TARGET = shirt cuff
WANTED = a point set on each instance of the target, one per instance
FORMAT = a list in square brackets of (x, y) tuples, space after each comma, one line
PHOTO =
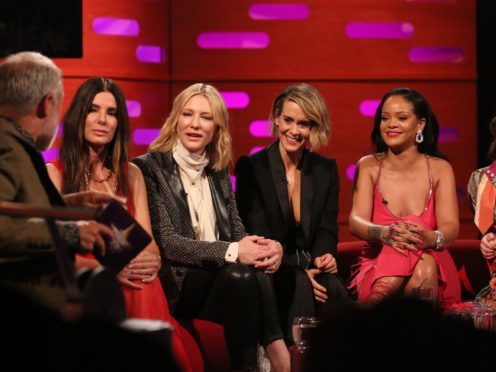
[(69, 234), (232, 253)]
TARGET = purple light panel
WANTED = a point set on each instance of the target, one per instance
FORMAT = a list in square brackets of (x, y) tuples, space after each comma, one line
[(233, 182), (379, 30), (150, 54), (260, 128), (256, 149), (50, 154), (368, 107), (116, 26), (449, 135), (145, 136), (431, 1), (350, 171), (436, 54), (270, 12), (133, 109), (236, 100), (233, 40)]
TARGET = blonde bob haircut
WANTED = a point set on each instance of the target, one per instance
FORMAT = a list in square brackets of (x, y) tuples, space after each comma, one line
[(314, 107), (219, 150)]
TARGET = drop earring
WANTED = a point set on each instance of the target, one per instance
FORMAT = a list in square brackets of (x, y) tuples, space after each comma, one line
[(419, 137)]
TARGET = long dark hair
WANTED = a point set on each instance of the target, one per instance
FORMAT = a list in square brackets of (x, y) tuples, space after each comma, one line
[(422, 109), (74, 150)]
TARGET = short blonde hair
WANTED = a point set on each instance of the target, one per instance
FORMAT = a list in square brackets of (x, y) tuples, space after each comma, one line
[(219, 150), (314, 107)]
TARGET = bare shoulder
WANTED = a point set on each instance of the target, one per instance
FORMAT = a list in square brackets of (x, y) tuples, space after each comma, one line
[(369, 164), (440, 167), (134, 171)]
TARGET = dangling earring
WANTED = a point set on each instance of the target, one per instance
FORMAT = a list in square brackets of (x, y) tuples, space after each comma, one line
[(419, 137)]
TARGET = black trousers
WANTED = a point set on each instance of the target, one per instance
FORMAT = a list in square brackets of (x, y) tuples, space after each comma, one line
[(240, 298), (295, 296)]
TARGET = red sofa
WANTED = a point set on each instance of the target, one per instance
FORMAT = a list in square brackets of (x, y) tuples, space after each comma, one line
[(472, 268)]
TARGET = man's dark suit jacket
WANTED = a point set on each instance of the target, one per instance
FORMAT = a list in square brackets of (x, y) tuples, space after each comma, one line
[(27, 259), (262, 198), (171, 221)]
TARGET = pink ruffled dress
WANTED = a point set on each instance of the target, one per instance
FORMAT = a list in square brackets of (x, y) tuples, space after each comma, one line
[(380, 260)]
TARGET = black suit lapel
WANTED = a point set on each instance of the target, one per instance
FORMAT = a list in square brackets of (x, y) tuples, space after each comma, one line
[(307, 193), (279, 178), (220, 205)]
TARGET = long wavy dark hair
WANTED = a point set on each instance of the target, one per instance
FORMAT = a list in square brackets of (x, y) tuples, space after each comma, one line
[(74, 150), (422, 109)]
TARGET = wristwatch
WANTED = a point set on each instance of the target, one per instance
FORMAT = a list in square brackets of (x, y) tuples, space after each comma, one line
[(439, 241)]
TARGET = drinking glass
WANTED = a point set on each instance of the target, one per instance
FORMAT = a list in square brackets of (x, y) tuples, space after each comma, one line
[(302, 328)]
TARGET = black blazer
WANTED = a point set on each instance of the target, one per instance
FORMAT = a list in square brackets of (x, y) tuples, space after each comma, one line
[(262, 198), (171, 221)]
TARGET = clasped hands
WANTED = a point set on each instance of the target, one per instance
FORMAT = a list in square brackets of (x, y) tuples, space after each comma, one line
[(408, 235), (264, 254), (143, 268), (488, 246)]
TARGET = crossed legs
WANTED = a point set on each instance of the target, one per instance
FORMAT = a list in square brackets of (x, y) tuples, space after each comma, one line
[(424, 274)]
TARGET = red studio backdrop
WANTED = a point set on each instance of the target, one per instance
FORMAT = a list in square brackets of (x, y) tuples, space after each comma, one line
[(353, 51)]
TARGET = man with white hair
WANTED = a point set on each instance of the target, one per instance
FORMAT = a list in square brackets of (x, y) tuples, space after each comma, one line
[(31, 95)]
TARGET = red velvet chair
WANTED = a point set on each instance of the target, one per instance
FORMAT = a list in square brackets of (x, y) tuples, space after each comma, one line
[(209, 338), (472, 268)]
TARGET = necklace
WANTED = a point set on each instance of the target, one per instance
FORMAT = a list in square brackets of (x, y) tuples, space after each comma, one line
[(99, 180), (196, 185), (89, 177)]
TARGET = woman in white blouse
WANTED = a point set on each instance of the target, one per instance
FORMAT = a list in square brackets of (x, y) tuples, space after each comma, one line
[(211, 268)]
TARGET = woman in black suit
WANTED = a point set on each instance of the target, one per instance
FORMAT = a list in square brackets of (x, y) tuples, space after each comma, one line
[(211, 268), (288, 193)]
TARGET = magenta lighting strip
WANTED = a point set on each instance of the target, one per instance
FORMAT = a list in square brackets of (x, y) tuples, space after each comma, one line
[(436, 54), (233, 40), (133, 109), (379, 30), (116, 26), (236, 100), (430, 1), (129, 28), (145, 136), (368, 107), (50, 154), (273, 12), (150, 54), (260, 128)]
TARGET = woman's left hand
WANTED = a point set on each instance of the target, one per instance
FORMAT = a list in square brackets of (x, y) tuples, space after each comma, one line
[(319, 291), (428, 238), (271, 258), (143, 268), (326, 263)]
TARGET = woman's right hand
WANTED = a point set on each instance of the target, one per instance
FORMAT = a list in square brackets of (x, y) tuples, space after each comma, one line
[(400, 236), (488, 246)]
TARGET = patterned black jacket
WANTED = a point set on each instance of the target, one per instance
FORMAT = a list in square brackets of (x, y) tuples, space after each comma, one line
[(171, 223)]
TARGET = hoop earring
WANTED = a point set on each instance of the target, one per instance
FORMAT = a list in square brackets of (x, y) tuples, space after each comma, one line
[(419, 137)]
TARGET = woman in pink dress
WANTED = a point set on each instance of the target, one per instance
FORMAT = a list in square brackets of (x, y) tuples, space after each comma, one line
[(405, 205)]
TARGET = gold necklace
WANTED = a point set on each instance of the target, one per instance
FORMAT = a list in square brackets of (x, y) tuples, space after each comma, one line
[(89, 177)]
